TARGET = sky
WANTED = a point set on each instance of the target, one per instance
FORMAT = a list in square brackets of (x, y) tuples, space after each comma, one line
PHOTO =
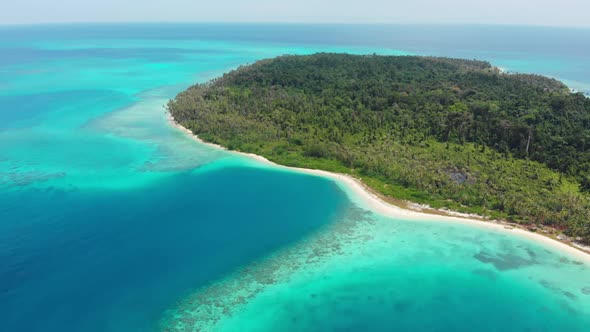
[(521, 12)]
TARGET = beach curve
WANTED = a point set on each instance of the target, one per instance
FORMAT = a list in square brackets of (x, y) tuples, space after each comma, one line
[(364, 196)]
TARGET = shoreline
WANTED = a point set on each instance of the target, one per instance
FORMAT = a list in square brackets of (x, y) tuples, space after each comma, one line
[(410, 211)]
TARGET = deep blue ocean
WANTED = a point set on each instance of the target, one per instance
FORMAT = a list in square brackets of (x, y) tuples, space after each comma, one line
[(112, 220)]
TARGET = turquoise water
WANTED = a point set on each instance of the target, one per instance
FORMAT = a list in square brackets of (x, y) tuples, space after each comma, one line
[(368, 273), (111, 220)]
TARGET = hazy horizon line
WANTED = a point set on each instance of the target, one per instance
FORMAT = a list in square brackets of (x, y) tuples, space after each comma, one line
[(299, 23)]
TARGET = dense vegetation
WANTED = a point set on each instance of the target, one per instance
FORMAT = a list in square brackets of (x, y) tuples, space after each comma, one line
[(447, 132)]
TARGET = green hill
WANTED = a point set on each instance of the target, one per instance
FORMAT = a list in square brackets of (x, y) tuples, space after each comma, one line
[(446, 132)]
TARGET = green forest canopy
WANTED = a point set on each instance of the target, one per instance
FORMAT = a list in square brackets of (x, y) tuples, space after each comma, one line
[(447, 132)]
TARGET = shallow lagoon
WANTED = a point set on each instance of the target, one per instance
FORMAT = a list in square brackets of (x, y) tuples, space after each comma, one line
[(369, 273)]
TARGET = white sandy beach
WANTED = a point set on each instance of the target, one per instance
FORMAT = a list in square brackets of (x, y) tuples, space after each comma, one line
[(378, 205)]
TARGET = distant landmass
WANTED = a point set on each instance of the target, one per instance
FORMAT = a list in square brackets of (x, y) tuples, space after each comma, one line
[(450, 133)]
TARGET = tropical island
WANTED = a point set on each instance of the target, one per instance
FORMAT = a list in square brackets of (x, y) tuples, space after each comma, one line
[(449, 133)]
